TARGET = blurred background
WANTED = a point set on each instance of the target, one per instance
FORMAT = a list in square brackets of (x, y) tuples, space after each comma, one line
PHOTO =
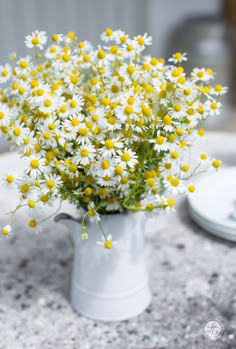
[(205, 29)]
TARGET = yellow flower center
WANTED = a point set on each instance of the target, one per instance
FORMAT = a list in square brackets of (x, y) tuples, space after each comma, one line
[(17, 131), (216, 163), (31, 203), (10, 179), (167, 120), (73, 104), (108, 32), (203, 156), (24, 64), (149, 206), (160, 140), (178, 107), (151, 182), (50, 183), (178, 55), (51, 126), (73, 167), (32, 223), (124, 180), (170, 202), (55, 37), (201, 132), (218, 88), (40, 92), (63, 108), (128, 109), (91, 212), (130, 69), (214, 105), (174, 154), (101, 54), (74, 122), (5, 72), (47, 103), (5, 231), (105, 164), (83, 131), (109, 144), (66, 57), (84, 152), (191, 188), (118, 170), (126, 157), (35, 40), (175, 182), (108, 244), (34, 163), (185, 168)]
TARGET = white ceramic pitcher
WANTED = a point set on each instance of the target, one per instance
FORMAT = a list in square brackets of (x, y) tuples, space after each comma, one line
[(109, 284)]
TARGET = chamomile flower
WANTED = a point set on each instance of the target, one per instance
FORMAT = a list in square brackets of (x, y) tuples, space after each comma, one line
[(107, 242), (190, 190), (5, 73), (93, 215), (126, 158), (9, 180), (178, 57), (174, 184), (85, 154), (110, 147), (23, 65), (51, 182), (143, 40), (219, 90), (201, 74), (4, 115), (107, 35), (35, 166), (75, 104), (160, 142), (129, 48), (53, 51), (6, 230), (58, 38), (213, 107), (36, 39), (34, 224)]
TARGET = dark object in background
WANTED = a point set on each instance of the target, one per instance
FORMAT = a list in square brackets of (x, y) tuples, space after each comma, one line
[(229, 10), (206, 39)]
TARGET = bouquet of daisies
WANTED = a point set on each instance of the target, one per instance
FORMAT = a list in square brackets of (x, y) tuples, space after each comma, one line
[(106, 128)]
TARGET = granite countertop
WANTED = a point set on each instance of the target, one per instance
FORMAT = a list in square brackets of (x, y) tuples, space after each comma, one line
[(192, 277)]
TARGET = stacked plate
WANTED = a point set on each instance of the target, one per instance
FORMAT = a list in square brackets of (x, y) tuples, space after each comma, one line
[(213, 207)]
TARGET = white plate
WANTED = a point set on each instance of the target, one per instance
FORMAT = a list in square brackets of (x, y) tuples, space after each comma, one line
[(214, 205)]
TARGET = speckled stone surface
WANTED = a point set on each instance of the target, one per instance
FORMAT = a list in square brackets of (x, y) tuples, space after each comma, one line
[(192, 275)]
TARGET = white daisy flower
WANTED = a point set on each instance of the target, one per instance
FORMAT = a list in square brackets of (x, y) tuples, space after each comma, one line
[(93, 215), (5, 73), (9, 180), (36, 39), (178, 57), (107, 242), (6, 230), (127, 158), (85, 154)]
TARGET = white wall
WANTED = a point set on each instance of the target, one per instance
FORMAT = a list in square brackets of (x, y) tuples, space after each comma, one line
[(89, 18)]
